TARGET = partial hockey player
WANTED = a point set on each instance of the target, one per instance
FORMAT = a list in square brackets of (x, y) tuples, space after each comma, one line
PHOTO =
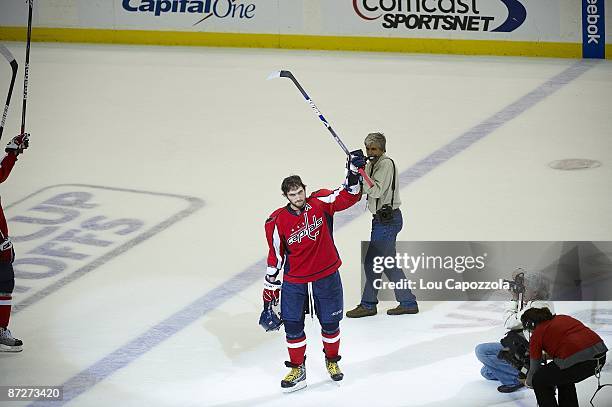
[(301, 245), (7, 255)]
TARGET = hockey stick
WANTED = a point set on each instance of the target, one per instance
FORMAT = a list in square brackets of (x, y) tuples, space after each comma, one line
[(11, 60), (27, 67), (288, 74)]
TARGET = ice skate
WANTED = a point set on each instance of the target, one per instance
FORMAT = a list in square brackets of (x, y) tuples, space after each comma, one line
[(295, 379), (8, 343), (333, 369)]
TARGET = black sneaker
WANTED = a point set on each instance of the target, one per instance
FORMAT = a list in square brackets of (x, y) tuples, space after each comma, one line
[(509, 388)]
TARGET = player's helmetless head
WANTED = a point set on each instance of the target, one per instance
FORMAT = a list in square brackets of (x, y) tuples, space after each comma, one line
[(295, 191), (297, 197), (375, 144)]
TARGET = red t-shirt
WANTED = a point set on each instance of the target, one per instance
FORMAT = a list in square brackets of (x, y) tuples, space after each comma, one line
[(561, 337)]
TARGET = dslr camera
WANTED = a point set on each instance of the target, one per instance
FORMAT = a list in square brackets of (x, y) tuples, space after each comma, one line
[(515, 351), (385, 214)]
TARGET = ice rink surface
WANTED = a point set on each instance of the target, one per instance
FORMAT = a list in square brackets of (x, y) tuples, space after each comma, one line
[(138, 210)]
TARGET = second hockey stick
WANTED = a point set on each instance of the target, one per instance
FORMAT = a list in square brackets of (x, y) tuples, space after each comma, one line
[(288, 74), (11, 60), (26, 73)]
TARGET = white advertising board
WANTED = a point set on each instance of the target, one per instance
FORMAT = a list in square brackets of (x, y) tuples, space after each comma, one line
[(525, 21)]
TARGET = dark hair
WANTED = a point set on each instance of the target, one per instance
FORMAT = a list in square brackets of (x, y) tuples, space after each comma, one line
[(533, 316), (291, 182)]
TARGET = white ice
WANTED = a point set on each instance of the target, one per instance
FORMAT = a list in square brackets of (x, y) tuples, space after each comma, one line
[(204, 122)]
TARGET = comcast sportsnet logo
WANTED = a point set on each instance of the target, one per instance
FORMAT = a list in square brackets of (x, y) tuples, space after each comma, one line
[(448, 15), (223, 9)]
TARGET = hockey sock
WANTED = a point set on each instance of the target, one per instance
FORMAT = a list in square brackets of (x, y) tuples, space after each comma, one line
[(331, 340), (5, 309), (296, 341), (297, 349)]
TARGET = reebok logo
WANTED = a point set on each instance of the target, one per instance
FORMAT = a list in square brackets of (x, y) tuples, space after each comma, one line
[(592, 19), (593, 29)]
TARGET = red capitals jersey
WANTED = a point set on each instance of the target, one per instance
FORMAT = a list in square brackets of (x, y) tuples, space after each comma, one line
[(6, 252), (302, 243)]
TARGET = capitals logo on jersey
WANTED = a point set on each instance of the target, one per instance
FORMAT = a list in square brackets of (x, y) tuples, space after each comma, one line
[(307, 229)]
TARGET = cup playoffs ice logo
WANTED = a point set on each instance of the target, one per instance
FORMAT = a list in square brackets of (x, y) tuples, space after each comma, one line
[(447, 15), (64, 232)]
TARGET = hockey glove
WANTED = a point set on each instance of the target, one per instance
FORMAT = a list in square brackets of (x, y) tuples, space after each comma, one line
[(18, 144), (356, 161), (271, 292)]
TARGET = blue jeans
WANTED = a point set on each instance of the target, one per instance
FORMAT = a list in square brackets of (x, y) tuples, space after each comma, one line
[(494, 368), (382, 243)]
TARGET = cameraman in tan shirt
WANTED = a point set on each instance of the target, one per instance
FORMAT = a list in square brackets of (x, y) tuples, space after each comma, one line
[(383, 202)]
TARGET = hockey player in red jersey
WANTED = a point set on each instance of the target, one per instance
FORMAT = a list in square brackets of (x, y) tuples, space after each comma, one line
[(7, 255), (301, 244)]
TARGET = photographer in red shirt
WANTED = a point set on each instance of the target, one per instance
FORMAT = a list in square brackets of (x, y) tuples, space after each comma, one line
[(575, 349)]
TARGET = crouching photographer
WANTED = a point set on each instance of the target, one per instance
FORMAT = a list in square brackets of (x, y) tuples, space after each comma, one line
[(577, 353), (528, 291)]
